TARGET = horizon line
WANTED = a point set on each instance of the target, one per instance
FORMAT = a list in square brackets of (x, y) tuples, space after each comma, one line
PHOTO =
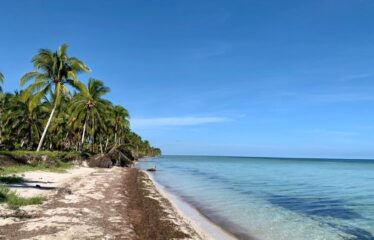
[(267, 157)]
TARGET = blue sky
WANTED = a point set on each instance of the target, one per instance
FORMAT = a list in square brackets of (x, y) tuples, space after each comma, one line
[(253, 78)]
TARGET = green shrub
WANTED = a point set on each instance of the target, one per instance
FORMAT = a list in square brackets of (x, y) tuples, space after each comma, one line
[(23, 161), (14, 201), (59, 167), (11, 179)]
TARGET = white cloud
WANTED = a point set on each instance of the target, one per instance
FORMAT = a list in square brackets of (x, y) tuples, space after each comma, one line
[(175, 121)]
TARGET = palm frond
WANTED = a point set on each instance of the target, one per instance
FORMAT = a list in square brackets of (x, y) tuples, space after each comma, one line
[(35, 99), (77, 65), (27, 77), (62, 52)]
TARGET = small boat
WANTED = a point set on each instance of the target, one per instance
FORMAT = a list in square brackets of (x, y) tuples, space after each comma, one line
[(152, 169)]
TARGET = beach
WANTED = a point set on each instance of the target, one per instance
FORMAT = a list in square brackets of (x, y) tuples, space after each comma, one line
[(220, 198), (92, 203), (200, 223)]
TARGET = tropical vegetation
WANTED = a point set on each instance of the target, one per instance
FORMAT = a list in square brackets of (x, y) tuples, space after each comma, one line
[(55, 111)]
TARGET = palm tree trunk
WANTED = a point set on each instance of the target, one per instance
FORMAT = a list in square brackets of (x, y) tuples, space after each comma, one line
[(29, 135), (46, 128), (106, 144), (101, 146), (93, 135), (115, 135), (85, 126)]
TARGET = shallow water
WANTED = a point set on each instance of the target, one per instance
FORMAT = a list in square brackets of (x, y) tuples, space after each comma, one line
[(276, 198)]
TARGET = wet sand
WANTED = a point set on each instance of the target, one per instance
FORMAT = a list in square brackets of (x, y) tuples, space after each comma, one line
[(206, 228)]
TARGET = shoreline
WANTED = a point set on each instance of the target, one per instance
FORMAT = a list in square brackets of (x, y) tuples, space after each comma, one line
[(151, 215), (97, 203), (200, 223)]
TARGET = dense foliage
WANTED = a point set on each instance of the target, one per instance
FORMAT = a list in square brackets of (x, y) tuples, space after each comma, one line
[(56, 111)]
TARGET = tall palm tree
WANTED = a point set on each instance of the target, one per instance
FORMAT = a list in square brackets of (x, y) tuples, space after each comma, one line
[(53, 71), (89, 104)]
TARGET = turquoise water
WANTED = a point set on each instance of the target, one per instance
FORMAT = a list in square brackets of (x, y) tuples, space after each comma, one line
[(276, 198)]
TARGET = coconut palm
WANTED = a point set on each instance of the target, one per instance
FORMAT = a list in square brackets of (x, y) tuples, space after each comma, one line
[(53, 72), (90, 105), (71, 119), (120, 121), (59, 129), (22, 121)]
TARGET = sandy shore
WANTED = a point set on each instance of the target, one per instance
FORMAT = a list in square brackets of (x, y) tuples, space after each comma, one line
[(207, 229), (87, 203)]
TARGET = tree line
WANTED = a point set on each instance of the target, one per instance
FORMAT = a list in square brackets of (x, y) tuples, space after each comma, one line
[(56, 111)]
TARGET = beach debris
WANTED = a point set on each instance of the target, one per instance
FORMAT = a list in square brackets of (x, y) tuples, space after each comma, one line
[(64, 191), (100, 161), (19, 213)]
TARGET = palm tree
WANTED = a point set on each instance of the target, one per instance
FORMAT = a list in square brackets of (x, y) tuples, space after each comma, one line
[(22, 121), (121, 122), (59, 129), (53, 71), (90, 105)]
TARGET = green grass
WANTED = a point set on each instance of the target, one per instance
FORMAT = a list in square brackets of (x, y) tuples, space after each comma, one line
[(54, 155), (14, 201), (59, 167), (56, 163), (11, 179)]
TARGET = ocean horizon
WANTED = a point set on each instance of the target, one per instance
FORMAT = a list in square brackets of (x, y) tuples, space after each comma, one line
[(269, 157), (275, 198)]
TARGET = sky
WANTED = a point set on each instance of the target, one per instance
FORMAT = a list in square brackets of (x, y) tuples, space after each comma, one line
[(283, 78)]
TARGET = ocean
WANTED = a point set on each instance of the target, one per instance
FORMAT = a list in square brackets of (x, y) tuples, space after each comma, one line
[(275, 198)]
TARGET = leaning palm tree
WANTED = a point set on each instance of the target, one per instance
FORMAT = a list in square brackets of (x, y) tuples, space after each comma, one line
[(59, 127), (53, 71), (89, 103)]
